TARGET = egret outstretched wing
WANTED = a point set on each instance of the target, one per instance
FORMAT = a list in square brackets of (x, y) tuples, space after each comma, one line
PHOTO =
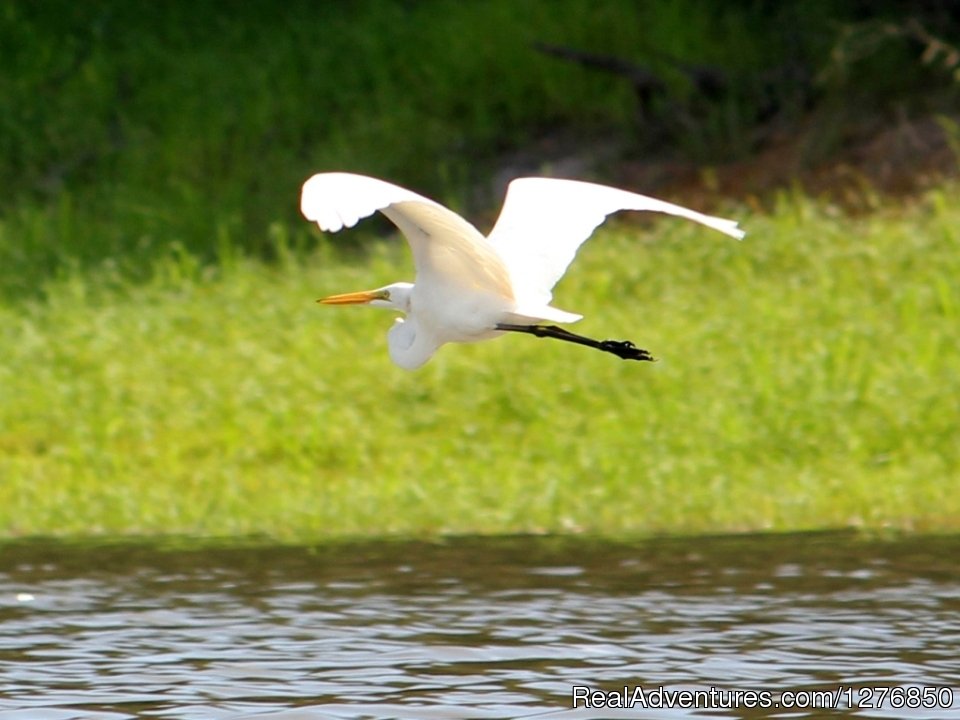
[(337, 200), (545, 220), (445, 246)]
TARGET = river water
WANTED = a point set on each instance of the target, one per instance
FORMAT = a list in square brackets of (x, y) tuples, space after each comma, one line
[(723, 627)]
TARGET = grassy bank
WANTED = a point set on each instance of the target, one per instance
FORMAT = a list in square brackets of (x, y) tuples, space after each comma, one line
[(163, 368), (808, 379)]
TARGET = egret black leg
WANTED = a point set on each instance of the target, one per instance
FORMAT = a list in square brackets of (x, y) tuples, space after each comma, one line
[(621, 348)]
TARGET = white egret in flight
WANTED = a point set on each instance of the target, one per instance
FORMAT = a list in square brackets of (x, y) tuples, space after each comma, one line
[(470, 287)]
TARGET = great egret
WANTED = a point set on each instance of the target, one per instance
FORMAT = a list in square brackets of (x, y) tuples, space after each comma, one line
[(469, 287)]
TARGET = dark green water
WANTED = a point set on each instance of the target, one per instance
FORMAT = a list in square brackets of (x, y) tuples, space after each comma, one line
[(482, 628)]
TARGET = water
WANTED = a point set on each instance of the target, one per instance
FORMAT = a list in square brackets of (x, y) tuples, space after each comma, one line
[(478, 628)]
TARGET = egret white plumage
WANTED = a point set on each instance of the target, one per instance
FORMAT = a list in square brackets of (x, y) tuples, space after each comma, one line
[(470, 287)]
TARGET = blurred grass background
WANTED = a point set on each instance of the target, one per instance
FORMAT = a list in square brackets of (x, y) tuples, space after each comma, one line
[(164, 368)]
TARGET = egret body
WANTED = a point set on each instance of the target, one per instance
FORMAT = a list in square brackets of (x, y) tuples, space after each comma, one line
[(470, 287)]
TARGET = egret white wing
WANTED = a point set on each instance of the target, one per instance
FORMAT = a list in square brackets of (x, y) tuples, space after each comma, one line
[(545, 220), (337, 200), (446, 247)]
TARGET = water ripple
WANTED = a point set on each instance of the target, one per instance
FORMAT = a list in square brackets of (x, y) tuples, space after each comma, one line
[(475, 628)]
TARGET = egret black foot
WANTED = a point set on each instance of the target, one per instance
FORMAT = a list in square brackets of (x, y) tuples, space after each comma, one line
[(626, 350)]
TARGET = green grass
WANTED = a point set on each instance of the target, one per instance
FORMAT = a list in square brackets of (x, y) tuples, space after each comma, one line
[(125, 130), (808, 379), (163, 368)]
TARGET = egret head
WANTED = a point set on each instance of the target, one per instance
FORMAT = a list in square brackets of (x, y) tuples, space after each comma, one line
[(394, 297)]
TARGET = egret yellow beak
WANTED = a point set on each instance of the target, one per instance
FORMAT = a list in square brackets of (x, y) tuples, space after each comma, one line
[(355, 298)]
